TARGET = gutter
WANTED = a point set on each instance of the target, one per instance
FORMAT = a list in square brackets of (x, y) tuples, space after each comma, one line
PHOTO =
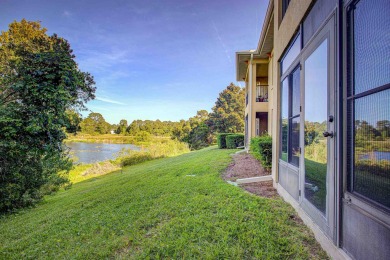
[(268, 17)]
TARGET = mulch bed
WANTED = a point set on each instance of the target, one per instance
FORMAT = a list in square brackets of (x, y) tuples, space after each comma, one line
[(245, 166), (263, 189)]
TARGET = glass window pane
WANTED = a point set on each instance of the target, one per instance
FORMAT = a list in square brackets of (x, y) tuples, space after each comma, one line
[(293, 150), (285, 4), (284, 119), (291, 54), (371, 147), (316, 112), (371, 44), (316, 16), (296, 93)]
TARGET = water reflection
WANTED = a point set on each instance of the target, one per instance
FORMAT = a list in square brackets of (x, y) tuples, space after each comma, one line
[(316, 112), (96, 152), (371, 175)]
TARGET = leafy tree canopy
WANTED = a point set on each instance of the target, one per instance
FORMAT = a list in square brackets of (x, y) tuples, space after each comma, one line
[(122, 127), (95, 124), (39, 82), (229, 111)]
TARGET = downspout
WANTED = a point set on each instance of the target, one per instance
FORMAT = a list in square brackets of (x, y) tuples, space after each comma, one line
[(250, 76)]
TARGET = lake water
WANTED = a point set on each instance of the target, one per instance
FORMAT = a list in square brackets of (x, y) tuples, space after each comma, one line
[(377, 155), (97, 152)]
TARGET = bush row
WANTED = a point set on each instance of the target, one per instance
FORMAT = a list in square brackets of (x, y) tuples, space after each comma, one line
[(230, 140), (261, 147), (221, 140), (234, 141)]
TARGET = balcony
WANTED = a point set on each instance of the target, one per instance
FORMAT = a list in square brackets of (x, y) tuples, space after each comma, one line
[(261, 93)]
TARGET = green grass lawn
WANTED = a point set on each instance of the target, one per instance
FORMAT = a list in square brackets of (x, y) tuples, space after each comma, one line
[(315, 174), (175, 207)]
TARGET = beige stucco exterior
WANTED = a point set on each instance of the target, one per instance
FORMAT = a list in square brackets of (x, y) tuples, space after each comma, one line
[(253, 106), (283, 32), (338, 227)]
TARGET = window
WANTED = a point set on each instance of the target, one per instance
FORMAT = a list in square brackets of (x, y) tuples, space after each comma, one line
[(290, 104), (368, 99), (290, 118), (261, 92), (285, 4), (292, 52), (284, 120)]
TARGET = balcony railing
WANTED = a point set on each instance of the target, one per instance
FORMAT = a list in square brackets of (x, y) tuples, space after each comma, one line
[(261, 93)]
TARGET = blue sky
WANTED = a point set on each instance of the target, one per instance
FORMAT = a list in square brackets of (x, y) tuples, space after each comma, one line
[(150, 59)]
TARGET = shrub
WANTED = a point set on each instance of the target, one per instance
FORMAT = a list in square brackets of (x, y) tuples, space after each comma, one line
[(165, 148), (235, 140), (261, 147), (101, 168), (221, 140), (137, 158), (254, 146), (142, 136), (373, 167), (199, 137)]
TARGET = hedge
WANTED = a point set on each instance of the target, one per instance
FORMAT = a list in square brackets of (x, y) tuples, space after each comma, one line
[(221, 140), (235, 140), (261, 147)]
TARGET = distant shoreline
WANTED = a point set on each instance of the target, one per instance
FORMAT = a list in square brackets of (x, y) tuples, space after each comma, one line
[(110, 139)]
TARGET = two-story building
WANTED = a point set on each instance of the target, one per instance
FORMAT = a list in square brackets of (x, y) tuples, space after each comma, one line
[(319, 84)]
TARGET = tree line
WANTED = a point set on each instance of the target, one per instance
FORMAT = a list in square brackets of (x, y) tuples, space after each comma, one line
[(227, 116)]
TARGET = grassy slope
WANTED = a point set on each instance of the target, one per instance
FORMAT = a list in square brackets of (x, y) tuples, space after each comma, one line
[(155, 210)]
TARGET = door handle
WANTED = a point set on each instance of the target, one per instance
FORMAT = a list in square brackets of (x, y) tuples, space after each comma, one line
[(327, 134)]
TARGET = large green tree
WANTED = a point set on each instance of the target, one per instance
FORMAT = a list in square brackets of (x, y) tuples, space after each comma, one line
[(199, 137), (228, 112), (74, 119), (39, 81), (95, 124), (122, 127)]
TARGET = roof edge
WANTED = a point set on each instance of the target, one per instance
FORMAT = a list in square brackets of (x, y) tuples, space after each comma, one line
[(266, 24)]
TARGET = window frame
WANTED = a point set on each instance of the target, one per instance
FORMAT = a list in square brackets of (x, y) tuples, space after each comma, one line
[(282, 98), (290, 117), (288, 75), (297, 36), (359, 201)]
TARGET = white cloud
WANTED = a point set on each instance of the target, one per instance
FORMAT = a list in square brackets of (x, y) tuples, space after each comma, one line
[(222, 42), (66, 13), (107, 100), (100, 60)]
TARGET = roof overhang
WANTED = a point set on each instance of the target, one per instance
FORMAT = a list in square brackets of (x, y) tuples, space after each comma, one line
[(264, 47), (266, 41), (242, 61)]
